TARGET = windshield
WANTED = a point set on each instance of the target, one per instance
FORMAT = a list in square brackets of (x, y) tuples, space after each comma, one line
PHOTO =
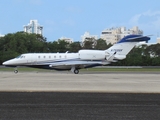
[(18, 56)]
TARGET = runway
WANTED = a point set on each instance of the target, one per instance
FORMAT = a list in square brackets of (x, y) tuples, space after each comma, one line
[(78, 106), (129, 82), (86, 96)]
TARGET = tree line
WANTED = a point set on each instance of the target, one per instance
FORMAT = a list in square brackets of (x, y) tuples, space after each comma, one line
[(14, 44)]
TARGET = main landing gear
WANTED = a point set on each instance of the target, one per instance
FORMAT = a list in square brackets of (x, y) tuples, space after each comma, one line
[(15, 71), (74, 70)]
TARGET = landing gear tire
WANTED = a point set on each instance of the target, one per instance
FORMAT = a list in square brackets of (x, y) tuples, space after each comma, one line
[(15, 71), (76, 71)]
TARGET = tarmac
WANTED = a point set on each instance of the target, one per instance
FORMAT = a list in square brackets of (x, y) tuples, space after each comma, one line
[(86, 96), (128, 82)]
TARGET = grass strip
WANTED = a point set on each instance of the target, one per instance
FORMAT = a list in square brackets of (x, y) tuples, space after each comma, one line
[(27, 69)]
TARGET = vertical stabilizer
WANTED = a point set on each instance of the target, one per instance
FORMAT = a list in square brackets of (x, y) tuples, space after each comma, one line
[(125, 45)]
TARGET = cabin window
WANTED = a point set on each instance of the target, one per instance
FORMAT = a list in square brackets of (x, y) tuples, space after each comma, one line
[(49, 56), (54, 56), (44, 56), (39, 56), (65, 56), (59, 56)]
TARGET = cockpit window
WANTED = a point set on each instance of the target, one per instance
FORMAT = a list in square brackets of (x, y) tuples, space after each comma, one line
[(18, 56)]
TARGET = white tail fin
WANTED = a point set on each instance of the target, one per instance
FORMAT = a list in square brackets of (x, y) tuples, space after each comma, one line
[(125, 45)]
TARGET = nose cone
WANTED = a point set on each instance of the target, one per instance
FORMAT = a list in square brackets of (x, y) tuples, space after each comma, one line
[(8, 63), (5, 63)]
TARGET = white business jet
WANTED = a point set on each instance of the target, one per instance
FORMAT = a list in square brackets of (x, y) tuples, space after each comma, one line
[(76, 61)]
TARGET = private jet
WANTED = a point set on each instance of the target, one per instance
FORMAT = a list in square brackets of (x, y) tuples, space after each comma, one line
[(81, 59)]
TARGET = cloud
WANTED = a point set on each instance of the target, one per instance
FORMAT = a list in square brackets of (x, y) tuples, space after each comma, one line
[(135, 19), (151, 13), (148, 18), (156, 23), (148, 21)]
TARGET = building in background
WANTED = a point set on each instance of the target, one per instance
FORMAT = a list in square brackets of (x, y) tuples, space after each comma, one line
[(88, 36), (69, 40), (113, 35), (33, 27), (158, 40)]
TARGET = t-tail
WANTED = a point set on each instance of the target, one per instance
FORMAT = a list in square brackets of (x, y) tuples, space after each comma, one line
[(124, 46)]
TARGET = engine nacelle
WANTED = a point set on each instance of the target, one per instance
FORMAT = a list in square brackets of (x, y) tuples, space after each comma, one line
[(91, 54)]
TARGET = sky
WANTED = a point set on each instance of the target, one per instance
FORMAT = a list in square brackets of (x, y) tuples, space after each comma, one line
[(72, 18)]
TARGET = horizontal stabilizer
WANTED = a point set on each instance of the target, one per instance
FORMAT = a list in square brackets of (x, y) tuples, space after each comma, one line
[(134, 38), (140, 37)]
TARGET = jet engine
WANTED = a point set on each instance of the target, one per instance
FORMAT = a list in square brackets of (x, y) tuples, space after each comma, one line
[(91, 54)]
